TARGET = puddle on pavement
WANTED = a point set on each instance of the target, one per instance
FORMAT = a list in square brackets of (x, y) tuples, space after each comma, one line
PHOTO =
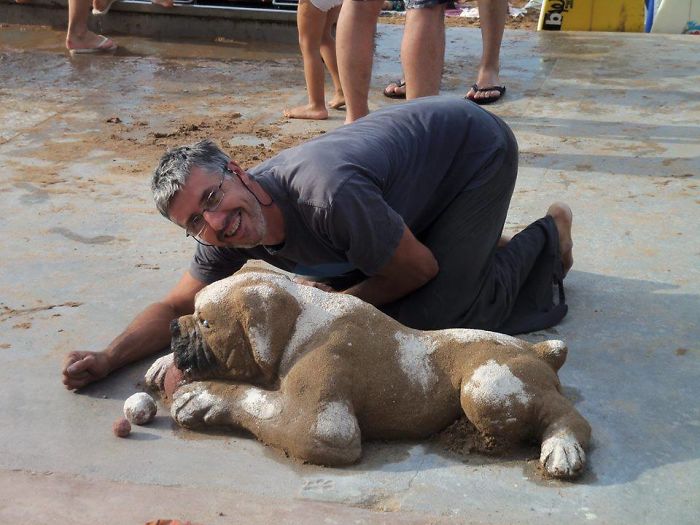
[(22, 38)]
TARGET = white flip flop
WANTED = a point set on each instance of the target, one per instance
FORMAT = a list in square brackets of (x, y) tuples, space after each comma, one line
[(100, 48), (97, 12)]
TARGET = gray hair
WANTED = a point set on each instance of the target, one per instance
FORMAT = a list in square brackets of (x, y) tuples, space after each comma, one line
[(176, 165)]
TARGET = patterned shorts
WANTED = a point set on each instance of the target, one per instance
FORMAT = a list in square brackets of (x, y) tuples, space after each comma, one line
[(417, 4)]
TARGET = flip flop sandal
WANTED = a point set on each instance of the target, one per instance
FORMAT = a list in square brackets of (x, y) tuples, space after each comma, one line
[(97, 12), (394, 85), (487, 100), (105, 46)]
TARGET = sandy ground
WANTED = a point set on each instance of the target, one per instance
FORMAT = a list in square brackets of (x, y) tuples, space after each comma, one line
[(527, 21)]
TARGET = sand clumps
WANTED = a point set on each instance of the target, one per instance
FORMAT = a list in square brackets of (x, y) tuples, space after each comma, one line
[(121, 427), (140, 409)]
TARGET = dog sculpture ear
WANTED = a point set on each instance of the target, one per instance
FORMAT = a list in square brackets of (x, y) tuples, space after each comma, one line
[(268, 314), (552, 351)]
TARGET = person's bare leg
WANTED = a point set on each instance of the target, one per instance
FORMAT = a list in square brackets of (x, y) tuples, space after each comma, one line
[(78, 35), (163, 3), (423, 50), (355, 46), (563, 218), (311, 22), (330, 59), (504, 240), (492, 16)]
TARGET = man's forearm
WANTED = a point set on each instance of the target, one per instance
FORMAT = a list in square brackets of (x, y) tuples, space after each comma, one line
[(147, 334), (379, 290)]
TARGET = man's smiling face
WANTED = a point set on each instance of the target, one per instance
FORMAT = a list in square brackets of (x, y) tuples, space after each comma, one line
[(237, 221)]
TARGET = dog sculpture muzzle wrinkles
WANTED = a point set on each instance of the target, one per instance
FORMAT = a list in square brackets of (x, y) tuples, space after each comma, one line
[(192, 355)]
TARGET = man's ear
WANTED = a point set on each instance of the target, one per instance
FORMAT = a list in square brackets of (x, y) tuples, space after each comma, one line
[(235, 168)]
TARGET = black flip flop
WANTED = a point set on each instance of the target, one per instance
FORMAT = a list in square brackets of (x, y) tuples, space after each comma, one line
[(488, 100), (398, 84)]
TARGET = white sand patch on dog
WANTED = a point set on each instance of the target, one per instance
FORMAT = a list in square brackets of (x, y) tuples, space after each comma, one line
[(335, 423), (318, 310), (414, 359), (469, 335), (264, 291), (258, 404), (213, 293), (555, 345), (494, 384), (259, 338)]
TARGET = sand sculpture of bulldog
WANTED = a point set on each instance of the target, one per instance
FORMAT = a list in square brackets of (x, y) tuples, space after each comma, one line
[(315, 373)]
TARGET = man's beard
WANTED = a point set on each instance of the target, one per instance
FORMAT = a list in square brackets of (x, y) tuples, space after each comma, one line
[(257, 220)]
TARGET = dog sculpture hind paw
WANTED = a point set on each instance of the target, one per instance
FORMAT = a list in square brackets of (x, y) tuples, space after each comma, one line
[(562, 456)]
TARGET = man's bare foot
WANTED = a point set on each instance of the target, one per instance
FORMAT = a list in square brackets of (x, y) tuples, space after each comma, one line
[(307, 112), (563, 218), (505, 239), (337, 102), (163, 3), (396, 89)]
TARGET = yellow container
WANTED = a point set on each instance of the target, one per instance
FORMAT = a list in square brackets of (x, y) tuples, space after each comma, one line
[(592, 15)]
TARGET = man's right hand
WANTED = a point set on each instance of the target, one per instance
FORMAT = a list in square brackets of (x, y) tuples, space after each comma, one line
[(82, 368)]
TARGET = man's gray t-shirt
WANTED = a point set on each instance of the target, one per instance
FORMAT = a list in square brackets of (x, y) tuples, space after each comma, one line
[(346, 196)]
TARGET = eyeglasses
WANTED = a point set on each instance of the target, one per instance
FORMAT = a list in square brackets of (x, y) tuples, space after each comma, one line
[(197, 223)]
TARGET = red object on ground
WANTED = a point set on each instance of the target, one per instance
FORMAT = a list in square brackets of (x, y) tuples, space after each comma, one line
[(121, 427), (173, 378), (169, 522)]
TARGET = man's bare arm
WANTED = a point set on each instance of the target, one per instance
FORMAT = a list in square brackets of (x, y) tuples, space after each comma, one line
[(412, 266), (148, 333)]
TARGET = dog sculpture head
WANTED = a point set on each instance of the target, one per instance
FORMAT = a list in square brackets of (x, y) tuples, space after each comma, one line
[(238, 330)]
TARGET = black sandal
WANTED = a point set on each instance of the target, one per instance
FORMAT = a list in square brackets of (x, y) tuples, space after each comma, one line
[(487, 100)]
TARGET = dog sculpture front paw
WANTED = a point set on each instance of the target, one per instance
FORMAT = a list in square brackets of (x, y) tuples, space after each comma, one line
[(155, 376), (194, 406), (562, 455)]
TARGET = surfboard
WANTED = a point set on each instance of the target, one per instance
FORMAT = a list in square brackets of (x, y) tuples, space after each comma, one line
[(677, 16)]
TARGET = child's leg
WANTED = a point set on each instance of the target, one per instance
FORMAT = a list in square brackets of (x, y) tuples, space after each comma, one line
[(310, 23), (329, 58)]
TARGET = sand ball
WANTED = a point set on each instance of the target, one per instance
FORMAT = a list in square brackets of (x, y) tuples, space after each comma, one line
[(140, 408), (121, 427)]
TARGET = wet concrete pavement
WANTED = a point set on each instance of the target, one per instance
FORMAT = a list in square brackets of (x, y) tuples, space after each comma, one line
[(606, 122)]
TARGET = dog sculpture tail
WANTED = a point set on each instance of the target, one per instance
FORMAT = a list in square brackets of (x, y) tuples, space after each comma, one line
[(553, 352)]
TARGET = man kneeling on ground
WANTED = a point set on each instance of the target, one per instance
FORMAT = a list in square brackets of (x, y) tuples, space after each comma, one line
[(404, 209)]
